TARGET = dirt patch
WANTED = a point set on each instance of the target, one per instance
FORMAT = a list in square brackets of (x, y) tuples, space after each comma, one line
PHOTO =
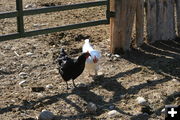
[(152, 72)]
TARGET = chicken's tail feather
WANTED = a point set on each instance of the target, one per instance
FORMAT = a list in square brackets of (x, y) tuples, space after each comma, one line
[(62, 57)]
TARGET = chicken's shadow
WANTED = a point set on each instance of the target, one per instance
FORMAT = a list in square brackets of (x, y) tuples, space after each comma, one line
[(108, 83), (141, 57)]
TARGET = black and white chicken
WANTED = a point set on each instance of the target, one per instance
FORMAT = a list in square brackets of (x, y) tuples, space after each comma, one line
[(91, 61), (71, 68)]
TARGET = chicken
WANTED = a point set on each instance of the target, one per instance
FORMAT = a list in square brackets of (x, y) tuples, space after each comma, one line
[(71, 68), (92, 61)]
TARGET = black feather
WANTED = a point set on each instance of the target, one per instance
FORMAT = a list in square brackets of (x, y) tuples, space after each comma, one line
[(71, 68)]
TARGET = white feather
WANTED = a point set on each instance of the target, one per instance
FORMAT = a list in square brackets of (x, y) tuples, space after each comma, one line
[(90, 65)]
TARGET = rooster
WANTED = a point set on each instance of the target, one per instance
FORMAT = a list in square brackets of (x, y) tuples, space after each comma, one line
[(71, 68), (91, 61)]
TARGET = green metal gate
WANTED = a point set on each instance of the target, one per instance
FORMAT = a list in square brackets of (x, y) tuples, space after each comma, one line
[(20, 13)]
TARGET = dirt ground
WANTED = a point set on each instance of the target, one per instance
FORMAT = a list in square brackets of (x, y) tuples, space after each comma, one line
[(151, 71)]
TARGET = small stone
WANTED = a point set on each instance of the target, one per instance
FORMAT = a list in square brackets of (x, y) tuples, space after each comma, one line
[(55, 71), (46, 115), (22, 82), (50, 86), (40, 95), (108, 54), (122, 96), (113, 113), (23, 75), (29, 53), (111, 107), (117, 56), (16, 53), (141, 101), (91, 107), (13, 101), (7, 47), (100, 73), (39, 25), (163, 110), (30, 6), (175, 80), (155, 78)]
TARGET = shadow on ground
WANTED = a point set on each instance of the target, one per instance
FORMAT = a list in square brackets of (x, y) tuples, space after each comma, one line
[(162, 57)]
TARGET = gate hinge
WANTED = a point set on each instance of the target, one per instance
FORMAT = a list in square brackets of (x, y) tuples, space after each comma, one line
[(110, 13)]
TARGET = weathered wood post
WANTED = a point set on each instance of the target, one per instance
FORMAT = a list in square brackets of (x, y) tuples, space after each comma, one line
[(178, 16), (121, 25), (160, 20), (151, 20), (139, 22), (169, 20), (114, 26)]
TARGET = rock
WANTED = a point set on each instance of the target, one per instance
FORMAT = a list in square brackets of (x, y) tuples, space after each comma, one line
[(163, 110), (111, 107), (7, 47), (114, 58), (155, 78), (175, 80), (100, 73), (40, 25), (16, 53), (113, 113), (30, 6), (116, 55), (55, 71), (40, 95), (22, 82), (91, 107), (23, 75), (50, 86), (29, 53), (141, 101), (108, 54), (46, 115)]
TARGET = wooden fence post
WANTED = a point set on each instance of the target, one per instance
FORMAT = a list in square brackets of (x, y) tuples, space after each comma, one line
[(129, 15), (140, 22), (178, 16), (121, 25), (114, 27), (160, 20), (151, 20)]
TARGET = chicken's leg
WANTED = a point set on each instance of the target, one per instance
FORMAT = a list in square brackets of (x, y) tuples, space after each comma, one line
[(73, 83), (95, 72), (67, 85)]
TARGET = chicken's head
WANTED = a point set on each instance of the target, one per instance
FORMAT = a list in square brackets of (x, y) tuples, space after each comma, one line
[(87, 54)]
